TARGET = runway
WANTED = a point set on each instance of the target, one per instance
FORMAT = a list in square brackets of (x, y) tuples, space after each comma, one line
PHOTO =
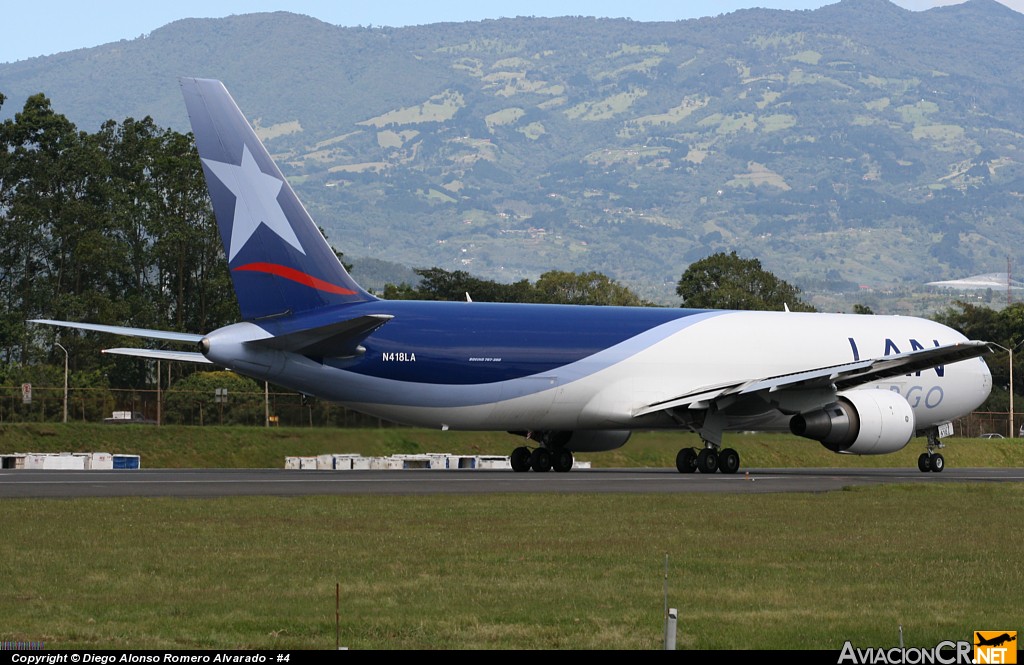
[(198, 483)]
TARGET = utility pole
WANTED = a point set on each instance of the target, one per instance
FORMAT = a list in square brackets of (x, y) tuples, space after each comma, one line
[(65, 380), (1012, 432)]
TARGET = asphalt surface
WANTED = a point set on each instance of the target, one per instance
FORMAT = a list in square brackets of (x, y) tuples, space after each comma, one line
[(280, 482)]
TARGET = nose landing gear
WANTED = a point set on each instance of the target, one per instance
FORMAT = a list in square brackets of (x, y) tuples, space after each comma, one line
[(931, 460)]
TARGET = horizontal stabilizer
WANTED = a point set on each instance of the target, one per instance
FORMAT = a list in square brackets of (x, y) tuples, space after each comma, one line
[(838, 377), (123, 330), (340, 339), (161, 354)]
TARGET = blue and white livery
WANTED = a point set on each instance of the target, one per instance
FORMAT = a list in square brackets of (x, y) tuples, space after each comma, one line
[(565, 378)]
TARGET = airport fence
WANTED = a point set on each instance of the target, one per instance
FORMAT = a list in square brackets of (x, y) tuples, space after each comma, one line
[(178, 407), (989, 422)]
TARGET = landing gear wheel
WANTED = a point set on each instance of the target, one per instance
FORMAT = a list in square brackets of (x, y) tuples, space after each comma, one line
[(931, 460), (561, 460), (728, 461), (686, 460), (707, 461), (540, 460), (520, 459)]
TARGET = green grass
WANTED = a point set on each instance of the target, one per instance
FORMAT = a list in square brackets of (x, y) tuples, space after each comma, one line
[(800, 571), (537, 571)]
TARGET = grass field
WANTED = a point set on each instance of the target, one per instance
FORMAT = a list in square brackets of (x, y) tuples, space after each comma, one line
[(541, 571)]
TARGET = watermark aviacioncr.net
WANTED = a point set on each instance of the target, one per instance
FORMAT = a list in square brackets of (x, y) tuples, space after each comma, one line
[(990, 647)]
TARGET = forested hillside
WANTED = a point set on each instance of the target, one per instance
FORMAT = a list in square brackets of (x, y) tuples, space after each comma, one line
[(855, 145)]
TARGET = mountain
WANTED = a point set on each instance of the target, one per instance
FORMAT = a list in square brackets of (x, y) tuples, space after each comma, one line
[(856, 145)]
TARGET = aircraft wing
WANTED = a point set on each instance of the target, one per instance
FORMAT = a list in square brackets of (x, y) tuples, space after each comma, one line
[(161, 354), (832, 378), (123, 330)]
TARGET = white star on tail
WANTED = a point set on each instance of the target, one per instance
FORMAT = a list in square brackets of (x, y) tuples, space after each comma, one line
[(255, 201)]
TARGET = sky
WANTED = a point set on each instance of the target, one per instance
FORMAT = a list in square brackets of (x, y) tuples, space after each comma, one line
[(30, 28)]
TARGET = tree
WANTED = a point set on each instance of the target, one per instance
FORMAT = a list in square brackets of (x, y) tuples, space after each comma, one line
[(114, 226), (194, 283), (55, 259), (725, 281), (589, 288), (1004, 327), (441, 284), (554, 286), (194, 400)]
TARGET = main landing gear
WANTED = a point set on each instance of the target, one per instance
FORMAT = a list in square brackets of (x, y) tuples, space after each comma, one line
[(931, 460), (541, 459), (708, 460)]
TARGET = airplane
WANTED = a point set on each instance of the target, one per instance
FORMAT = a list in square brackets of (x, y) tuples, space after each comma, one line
[(996, 641), (565, 379)]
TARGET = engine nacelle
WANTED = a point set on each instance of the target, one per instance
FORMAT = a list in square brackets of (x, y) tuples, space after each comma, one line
[(580, 440), (860, 422)]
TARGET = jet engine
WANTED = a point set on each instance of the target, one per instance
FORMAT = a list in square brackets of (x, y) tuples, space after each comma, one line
[(860, 422)]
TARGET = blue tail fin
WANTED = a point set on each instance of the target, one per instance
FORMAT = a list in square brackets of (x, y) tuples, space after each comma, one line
[(279, 260)]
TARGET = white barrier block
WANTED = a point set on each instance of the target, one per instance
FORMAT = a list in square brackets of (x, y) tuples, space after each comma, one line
[(100, 461), (345, 461), (442, 461), (492, 462), (64, 462), (413, 461)]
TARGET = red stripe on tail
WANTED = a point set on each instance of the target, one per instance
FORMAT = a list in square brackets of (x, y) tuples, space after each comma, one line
[(296, 276)]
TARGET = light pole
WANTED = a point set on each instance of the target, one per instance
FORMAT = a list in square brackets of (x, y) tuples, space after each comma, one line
[(1012, 432), (65, 380)]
